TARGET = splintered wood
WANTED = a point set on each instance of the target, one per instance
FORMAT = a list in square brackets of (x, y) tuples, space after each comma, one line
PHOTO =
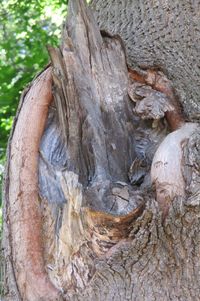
[(94, 201)]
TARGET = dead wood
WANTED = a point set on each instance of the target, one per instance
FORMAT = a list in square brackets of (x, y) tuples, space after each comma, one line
[(97, 231)]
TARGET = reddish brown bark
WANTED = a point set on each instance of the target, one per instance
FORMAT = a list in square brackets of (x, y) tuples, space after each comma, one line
[(24, 205), (160, 83)]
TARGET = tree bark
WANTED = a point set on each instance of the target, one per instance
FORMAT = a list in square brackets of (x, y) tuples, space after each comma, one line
[(159, 34), (101, 201)]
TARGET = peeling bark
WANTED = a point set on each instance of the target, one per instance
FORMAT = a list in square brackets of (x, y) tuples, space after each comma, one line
[(82, 217)]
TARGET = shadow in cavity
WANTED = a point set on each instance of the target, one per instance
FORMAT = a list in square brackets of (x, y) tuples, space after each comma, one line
[(120, 186)]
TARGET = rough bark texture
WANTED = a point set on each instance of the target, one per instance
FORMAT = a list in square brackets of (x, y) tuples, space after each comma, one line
[(162, 34), (107, 233)]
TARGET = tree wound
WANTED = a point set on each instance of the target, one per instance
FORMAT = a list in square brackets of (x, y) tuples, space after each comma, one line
[(95, 160)]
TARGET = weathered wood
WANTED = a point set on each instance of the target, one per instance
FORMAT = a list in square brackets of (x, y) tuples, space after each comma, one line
[(103, 235), (167, 169), (159, 103), (104, 253)]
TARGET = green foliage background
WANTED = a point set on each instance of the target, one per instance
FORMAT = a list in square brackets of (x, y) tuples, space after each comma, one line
[(26, 27)]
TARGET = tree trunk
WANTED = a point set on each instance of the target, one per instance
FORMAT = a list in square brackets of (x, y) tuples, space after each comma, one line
[(159, 34), (101, 201)]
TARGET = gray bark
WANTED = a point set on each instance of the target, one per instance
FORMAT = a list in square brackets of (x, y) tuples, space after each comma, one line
[(103, 232), (162, 34)]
